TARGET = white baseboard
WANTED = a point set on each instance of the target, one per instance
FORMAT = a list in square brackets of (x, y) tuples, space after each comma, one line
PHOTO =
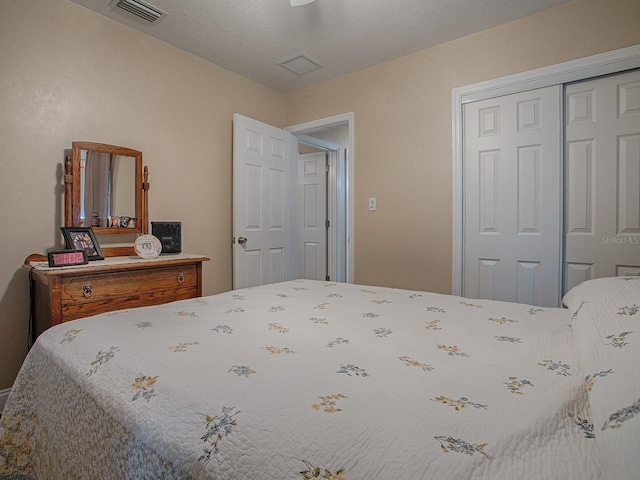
[(4, 394)]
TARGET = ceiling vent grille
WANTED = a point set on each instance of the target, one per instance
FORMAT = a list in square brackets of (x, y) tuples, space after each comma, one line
[(140, 9), (300, 64)]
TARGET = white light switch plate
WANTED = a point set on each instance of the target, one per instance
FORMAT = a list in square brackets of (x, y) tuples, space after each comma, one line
[(372, 203)]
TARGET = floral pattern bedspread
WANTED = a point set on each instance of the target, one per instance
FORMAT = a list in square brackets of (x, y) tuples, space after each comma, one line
[(606, 322), (307, 379)]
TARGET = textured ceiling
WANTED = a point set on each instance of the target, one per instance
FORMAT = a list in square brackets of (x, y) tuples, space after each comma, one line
[(251, 37)]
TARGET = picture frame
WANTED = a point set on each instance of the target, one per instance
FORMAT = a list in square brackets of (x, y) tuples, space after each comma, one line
[(82, 238)]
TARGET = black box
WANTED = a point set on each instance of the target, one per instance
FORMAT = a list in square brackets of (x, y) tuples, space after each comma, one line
[(169, 234)]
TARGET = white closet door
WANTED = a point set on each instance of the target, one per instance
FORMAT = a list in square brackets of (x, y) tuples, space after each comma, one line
[(602, 178), (512, 198)]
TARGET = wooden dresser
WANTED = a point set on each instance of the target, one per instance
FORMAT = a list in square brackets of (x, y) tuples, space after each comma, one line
[(115, 283)]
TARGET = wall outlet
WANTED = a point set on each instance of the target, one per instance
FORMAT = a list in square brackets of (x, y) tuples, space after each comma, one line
[(372, 203)]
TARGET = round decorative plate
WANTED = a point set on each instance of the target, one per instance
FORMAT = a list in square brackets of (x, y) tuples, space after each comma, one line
[(147, 246)]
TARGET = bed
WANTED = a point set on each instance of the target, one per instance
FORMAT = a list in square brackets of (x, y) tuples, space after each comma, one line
[(308, 379)]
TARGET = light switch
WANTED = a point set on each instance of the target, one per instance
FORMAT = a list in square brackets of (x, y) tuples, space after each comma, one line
[(372, 203)]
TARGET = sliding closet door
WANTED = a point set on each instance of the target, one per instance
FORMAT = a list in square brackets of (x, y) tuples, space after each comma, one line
[(602, 178), (512, 198)]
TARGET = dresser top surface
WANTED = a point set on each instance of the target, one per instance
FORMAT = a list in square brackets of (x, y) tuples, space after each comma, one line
[(117, 263)]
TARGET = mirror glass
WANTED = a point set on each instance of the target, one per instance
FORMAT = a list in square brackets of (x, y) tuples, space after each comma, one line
[(106, 188)]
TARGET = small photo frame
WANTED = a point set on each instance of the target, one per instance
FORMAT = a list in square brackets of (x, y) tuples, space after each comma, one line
[(82, 238)]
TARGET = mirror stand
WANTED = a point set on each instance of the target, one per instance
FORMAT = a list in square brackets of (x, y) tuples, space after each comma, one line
[(101, 184)]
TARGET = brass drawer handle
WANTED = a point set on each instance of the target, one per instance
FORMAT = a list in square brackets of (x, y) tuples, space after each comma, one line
[(87, 290), (180, 277)]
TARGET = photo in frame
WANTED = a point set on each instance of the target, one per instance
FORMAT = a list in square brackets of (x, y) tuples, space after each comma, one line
[(82, 238)]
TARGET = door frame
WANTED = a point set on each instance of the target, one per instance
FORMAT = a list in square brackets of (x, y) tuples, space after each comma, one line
[(581, 69), (304, 131), (322, 210)]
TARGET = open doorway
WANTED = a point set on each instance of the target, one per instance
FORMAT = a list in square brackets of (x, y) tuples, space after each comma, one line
[(334, 136), (313, 216), (265, 217)]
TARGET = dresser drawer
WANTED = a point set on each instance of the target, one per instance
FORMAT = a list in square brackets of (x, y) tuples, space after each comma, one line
[(89, 308), (110, 286)]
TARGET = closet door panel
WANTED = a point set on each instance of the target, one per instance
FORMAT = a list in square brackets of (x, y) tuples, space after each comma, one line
[(580, 186), (512, 198), (629, 184), (602, 221)]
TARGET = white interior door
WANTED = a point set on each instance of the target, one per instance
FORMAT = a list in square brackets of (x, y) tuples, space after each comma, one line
[(264, 224), (312, 216), (603, 178), (512, 198)]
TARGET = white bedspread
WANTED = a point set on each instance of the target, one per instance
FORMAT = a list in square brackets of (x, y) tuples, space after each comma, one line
[(303, 380), (606, 321)]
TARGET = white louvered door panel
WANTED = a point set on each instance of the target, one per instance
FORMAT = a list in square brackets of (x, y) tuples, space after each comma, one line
[(512, 198), (263, 201), (602, 178)]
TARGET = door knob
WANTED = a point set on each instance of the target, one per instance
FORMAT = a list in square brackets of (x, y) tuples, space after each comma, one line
[(242, 240)]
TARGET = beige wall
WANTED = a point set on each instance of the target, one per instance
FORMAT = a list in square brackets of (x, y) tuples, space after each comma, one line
[(402, 112), (69, 74)]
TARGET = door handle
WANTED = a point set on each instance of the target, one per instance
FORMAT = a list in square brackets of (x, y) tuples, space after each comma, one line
[(242, 240)]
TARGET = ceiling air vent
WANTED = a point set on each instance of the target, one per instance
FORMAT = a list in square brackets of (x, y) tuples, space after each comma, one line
[(300, 64), (140, 9)]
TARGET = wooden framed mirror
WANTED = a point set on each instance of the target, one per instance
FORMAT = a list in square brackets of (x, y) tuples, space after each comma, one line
[(106, 189)]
